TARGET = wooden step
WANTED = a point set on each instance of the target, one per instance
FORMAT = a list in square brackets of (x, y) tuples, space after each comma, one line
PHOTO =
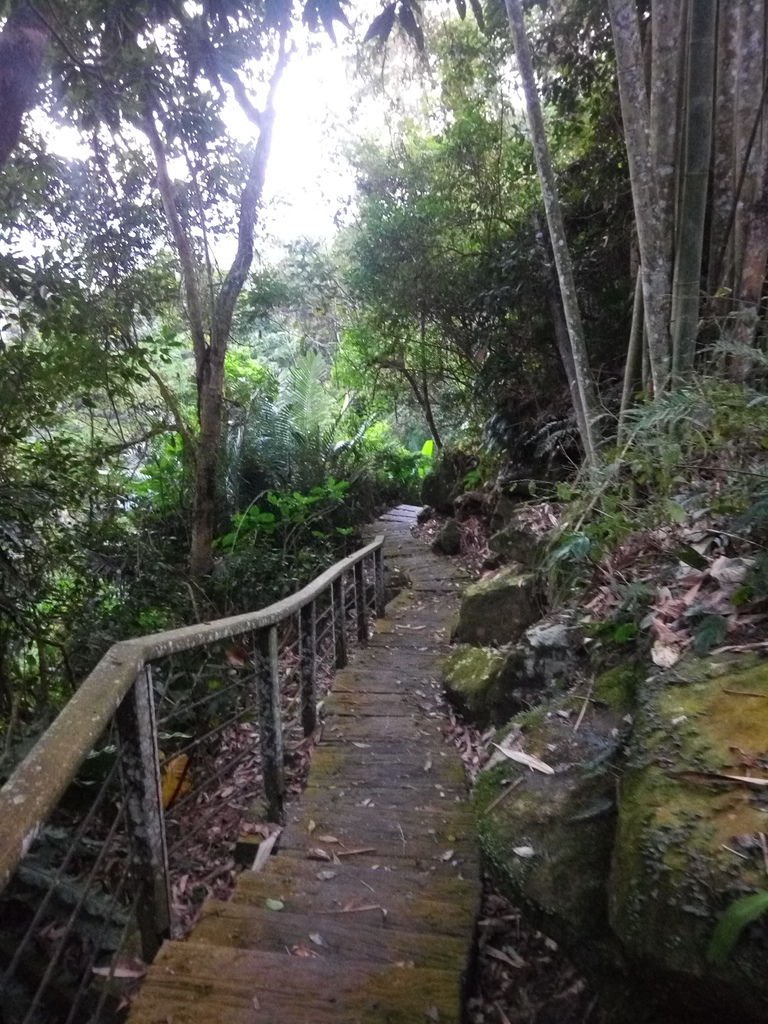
[(344, 763), (208, 984), (407, 891), (427, 838), (329, 934)]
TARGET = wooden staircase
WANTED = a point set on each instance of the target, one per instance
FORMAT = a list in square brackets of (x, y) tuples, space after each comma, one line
[(366, 915)]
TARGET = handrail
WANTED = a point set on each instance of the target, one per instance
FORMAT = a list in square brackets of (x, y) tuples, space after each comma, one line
[(38, 783)]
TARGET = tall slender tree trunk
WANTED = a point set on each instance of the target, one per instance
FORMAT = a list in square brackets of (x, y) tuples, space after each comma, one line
[(724, 172), (653, 245), (23, 45), (748, 149), (667, 31), (694, 181), (633, 365), (210, 312), (584, 394)]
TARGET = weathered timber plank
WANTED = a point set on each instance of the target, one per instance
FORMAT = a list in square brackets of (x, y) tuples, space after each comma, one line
[(389, 767), (358, 930), (200, 984), (377, 728), (365, 702), (430, 839), (409, 891)]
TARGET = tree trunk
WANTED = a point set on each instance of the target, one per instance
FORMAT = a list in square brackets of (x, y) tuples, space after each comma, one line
[(700, 80), (724, 172), (748, 149), (210, 322), (653, 247), (665, 95), (584, 390), (210, 372), (633, 366), (23, 45), (562, 339), (752, 280)]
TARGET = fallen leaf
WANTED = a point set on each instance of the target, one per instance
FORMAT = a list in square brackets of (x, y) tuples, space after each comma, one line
[(524, 851), (125, 967), (303, 951), (264, 850), (529, 760), (447, 855), (665, 655), (730, 570), (512, 958), (328, 839), (176, 781), (237, 656), (274, 904), (707, 777), (315, 853), (326, 876), (317, 938)]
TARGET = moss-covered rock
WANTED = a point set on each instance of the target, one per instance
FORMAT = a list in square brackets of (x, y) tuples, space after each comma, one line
[(674, 866), (489, 685), (517, 543), (497, 610), (617, 687), (448, 539), (565, 819)]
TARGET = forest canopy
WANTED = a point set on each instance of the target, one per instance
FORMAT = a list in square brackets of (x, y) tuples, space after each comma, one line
[(558, 228)]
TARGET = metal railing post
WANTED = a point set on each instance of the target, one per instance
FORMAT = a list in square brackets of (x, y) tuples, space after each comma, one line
[(308, 645), (140, 767), (270, 722), (361, 606), (378, 565), (340, 621)]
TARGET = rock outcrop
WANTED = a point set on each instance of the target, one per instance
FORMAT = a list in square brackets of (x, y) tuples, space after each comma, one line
[(499, 608)]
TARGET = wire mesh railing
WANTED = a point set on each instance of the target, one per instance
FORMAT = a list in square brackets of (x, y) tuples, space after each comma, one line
[(125, 814)]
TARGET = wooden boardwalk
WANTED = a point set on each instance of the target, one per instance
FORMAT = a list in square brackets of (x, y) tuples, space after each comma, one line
[(381, 931)]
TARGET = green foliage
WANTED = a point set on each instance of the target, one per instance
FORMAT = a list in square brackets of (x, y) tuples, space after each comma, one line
[(293, 513), (734, 920)]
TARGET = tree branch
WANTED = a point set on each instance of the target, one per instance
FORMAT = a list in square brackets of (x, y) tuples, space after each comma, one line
[(251, 197), (180, 237)]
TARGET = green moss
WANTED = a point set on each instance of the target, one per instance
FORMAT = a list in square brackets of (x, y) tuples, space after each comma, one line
[(498, 610), (617, 688), (484, 682), (673, 873)]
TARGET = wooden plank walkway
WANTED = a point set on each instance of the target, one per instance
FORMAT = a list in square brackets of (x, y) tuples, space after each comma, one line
[(381, 933)]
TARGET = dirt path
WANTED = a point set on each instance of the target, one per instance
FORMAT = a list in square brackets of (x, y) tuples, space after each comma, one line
[(366, 914)]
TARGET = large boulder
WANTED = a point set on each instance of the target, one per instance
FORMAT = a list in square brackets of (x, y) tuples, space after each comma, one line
[(471, 503), (497, 610), (547, 838), (447, 539), (517, 543), (445, 481), (489, 685), (689, 840)]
